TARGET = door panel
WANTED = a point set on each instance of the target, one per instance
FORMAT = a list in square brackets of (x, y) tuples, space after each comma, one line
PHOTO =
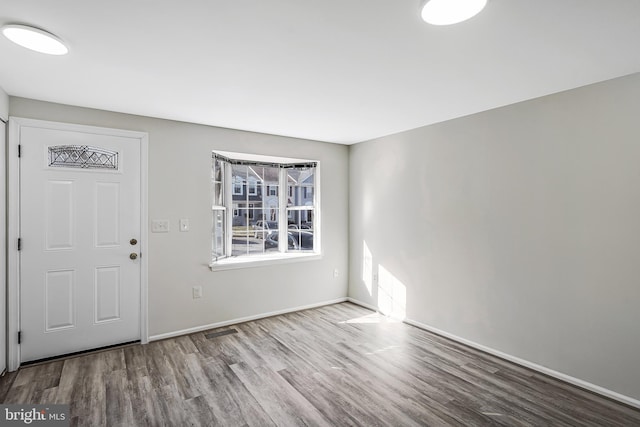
[(59, 300), (107, 227), (107, 293), (59, 215), (79, 207)]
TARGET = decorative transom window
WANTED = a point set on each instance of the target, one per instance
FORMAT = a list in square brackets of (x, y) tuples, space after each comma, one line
[(82, 156), (252, 219)]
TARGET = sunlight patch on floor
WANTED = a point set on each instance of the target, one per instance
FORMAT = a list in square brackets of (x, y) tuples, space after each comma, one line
[(382, 350), (372, 318)]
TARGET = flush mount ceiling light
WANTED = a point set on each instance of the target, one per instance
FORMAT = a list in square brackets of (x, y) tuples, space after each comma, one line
[(447, 12), (35, 39)]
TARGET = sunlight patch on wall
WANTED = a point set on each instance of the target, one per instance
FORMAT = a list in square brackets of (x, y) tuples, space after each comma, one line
[(367, 268), (392, 295)]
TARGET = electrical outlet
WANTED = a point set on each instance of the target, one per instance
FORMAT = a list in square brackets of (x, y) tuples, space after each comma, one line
[(375, 277), (160, 226), (197, 292)]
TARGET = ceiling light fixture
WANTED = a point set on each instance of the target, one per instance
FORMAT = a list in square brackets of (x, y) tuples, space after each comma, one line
[(447, 12), (35, 39)]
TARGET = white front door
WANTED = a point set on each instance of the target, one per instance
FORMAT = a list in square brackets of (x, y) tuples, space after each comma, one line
[(80, 229)]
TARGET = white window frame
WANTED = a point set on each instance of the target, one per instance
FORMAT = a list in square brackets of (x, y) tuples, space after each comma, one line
[(282, 256)]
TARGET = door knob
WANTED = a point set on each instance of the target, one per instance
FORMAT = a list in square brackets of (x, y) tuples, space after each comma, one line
[(133, 242), (133, 255)]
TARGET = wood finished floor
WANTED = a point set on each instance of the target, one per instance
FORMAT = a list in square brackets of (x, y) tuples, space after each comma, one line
[(339, 365)]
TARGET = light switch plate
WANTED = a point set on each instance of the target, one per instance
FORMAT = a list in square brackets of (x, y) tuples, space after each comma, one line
[(197, 292), (184, 225), (160, 226)]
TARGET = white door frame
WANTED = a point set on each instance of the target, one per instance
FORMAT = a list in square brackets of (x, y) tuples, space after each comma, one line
[(13, 214)]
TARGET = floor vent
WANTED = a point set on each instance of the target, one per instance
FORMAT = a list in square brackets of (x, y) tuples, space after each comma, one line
[(220, 334)]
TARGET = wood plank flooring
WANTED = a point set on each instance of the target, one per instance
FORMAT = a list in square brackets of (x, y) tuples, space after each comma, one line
[(339, 365)]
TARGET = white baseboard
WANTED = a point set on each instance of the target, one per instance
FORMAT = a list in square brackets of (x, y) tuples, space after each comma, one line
[(522, 362), (241, 320), (543, 369)]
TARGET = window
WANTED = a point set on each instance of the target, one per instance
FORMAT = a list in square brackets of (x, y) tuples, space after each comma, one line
[(257, 223), (253, 186), (82, 156), (308, 192), (238, 185), (300, 209)]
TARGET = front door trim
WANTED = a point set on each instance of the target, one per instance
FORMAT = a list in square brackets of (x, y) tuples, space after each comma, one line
[(13, 216)]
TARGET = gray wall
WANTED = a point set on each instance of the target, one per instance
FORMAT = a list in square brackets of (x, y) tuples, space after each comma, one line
[(517, 229), (4, 105), (179, 187)]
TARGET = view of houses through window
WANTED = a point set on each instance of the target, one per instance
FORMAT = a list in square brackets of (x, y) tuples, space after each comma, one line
[(253, 216)]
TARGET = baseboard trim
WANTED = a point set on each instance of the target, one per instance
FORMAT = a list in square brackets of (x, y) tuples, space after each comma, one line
[(518, 361), (241, 320), (534, 366)]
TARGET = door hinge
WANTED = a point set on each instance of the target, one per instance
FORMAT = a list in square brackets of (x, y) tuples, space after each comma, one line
[(19, 244), (19, 337), (19, 150)]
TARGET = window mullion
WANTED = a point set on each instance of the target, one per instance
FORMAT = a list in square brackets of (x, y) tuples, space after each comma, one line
[(316, 210), (228, 204), (283, 239)]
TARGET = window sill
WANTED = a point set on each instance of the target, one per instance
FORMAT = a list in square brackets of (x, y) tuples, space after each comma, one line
[(260, 261)]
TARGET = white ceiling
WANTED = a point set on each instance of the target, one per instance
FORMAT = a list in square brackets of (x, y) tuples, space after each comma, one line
[(341, 71)]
